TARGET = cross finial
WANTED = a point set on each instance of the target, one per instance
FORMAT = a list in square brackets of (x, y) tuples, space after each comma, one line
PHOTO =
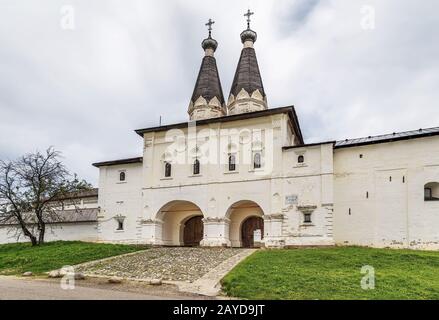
[(209, 26), (248, 15)]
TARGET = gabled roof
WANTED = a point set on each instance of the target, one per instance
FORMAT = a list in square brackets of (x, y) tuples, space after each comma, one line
[(247, 75), (116, 162), (396, 136), (208, 83), (242, 116)]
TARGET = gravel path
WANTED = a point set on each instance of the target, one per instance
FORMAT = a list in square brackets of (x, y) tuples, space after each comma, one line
[(176, 264)]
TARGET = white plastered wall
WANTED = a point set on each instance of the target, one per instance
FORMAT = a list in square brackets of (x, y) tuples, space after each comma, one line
[(383, 190)]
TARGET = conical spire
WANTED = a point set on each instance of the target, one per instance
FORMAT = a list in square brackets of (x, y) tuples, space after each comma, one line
[(247, 93), (207, 99)]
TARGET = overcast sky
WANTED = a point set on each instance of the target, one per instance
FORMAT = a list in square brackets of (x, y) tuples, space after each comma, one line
[(127, 62)]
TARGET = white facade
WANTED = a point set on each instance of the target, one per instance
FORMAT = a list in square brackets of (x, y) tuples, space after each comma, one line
[(379, 198), (347, 191)]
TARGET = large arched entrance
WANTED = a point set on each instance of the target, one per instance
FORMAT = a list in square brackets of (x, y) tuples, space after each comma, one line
[(182, 224), (246, 227)]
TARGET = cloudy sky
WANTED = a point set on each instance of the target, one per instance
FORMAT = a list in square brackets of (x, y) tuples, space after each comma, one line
[(351, 68)]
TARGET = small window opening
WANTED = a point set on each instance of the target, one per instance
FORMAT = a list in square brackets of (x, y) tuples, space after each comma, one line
[(431, 191), (257, 161), (350, 211), (390, 178), (307, 218), (119, 225), (197, 166), (168, 169), (367, 195), (361, 156), (232, 162), (122, 176), (301, 159)]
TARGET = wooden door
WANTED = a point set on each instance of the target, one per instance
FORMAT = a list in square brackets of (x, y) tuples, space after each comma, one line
[(248, 228), (193, 231)]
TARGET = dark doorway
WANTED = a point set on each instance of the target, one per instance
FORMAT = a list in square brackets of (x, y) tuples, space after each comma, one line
[(248, 228), (193, 231)]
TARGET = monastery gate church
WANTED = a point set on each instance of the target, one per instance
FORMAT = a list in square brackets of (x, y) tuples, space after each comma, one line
[(240, 174)]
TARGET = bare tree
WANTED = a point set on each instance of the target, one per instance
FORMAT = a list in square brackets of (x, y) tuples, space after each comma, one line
[(33, 188)]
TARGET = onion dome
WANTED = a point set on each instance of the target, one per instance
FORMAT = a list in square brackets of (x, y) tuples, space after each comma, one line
[(207, 100), (247, 93)]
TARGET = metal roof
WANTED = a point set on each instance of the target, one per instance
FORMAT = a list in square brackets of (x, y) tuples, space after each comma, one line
[(396, 136), (235, 117), (117, 162), (247, 75), (208, 83)]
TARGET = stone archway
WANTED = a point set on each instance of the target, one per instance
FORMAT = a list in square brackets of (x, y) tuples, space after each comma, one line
[(245, 224), (181, 224)]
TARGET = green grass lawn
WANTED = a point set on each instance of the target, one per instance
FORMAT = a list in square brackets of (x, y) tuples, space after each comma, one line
[(21, 257), (335, 273)]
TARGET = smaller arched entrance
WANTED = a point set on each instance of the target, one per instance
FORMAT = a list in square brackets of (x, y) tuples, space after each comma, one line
[(249, 227), (182, 224), (246, 226), (193, 231)]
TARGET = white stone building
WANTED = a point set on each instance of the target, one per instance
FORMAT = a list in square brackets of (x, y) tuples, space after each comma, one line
[(240, 174)]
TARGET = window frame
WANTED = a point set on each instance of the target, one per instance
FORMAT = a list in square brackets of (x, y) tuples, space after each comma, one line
[(168, 170), (257, 160), (120, 225), (124, 175), (196, 168), (232, 163), (307, 215)]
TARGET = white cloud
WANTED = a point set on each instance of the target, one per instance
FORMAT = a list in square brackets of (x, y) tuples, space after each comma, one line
[(128, 62)]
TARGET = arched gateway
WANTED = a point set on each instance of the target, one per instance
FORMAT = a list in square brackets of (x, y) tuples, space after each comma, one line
[(182, 224), (246, 227)]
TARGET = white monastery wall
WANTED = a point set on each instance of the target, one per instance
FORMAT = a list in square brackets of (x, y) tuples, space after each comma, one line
[(83, 231), (308, 189), (120, 200), (379, 194)]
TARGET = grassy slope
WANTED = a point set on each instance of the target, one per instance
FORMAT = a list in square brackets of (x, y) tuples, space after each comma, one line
[(21, 257), (334, 273)]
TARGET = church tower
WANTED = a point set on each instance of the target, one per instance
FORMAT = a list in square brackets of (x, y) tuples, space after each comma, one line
[(247, 93), (207, 100)]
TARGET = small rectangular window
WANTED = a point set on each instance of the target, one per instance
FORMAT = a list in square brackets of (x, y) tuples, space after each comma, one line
[(232, 162), (307, 218), (119, 225)]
